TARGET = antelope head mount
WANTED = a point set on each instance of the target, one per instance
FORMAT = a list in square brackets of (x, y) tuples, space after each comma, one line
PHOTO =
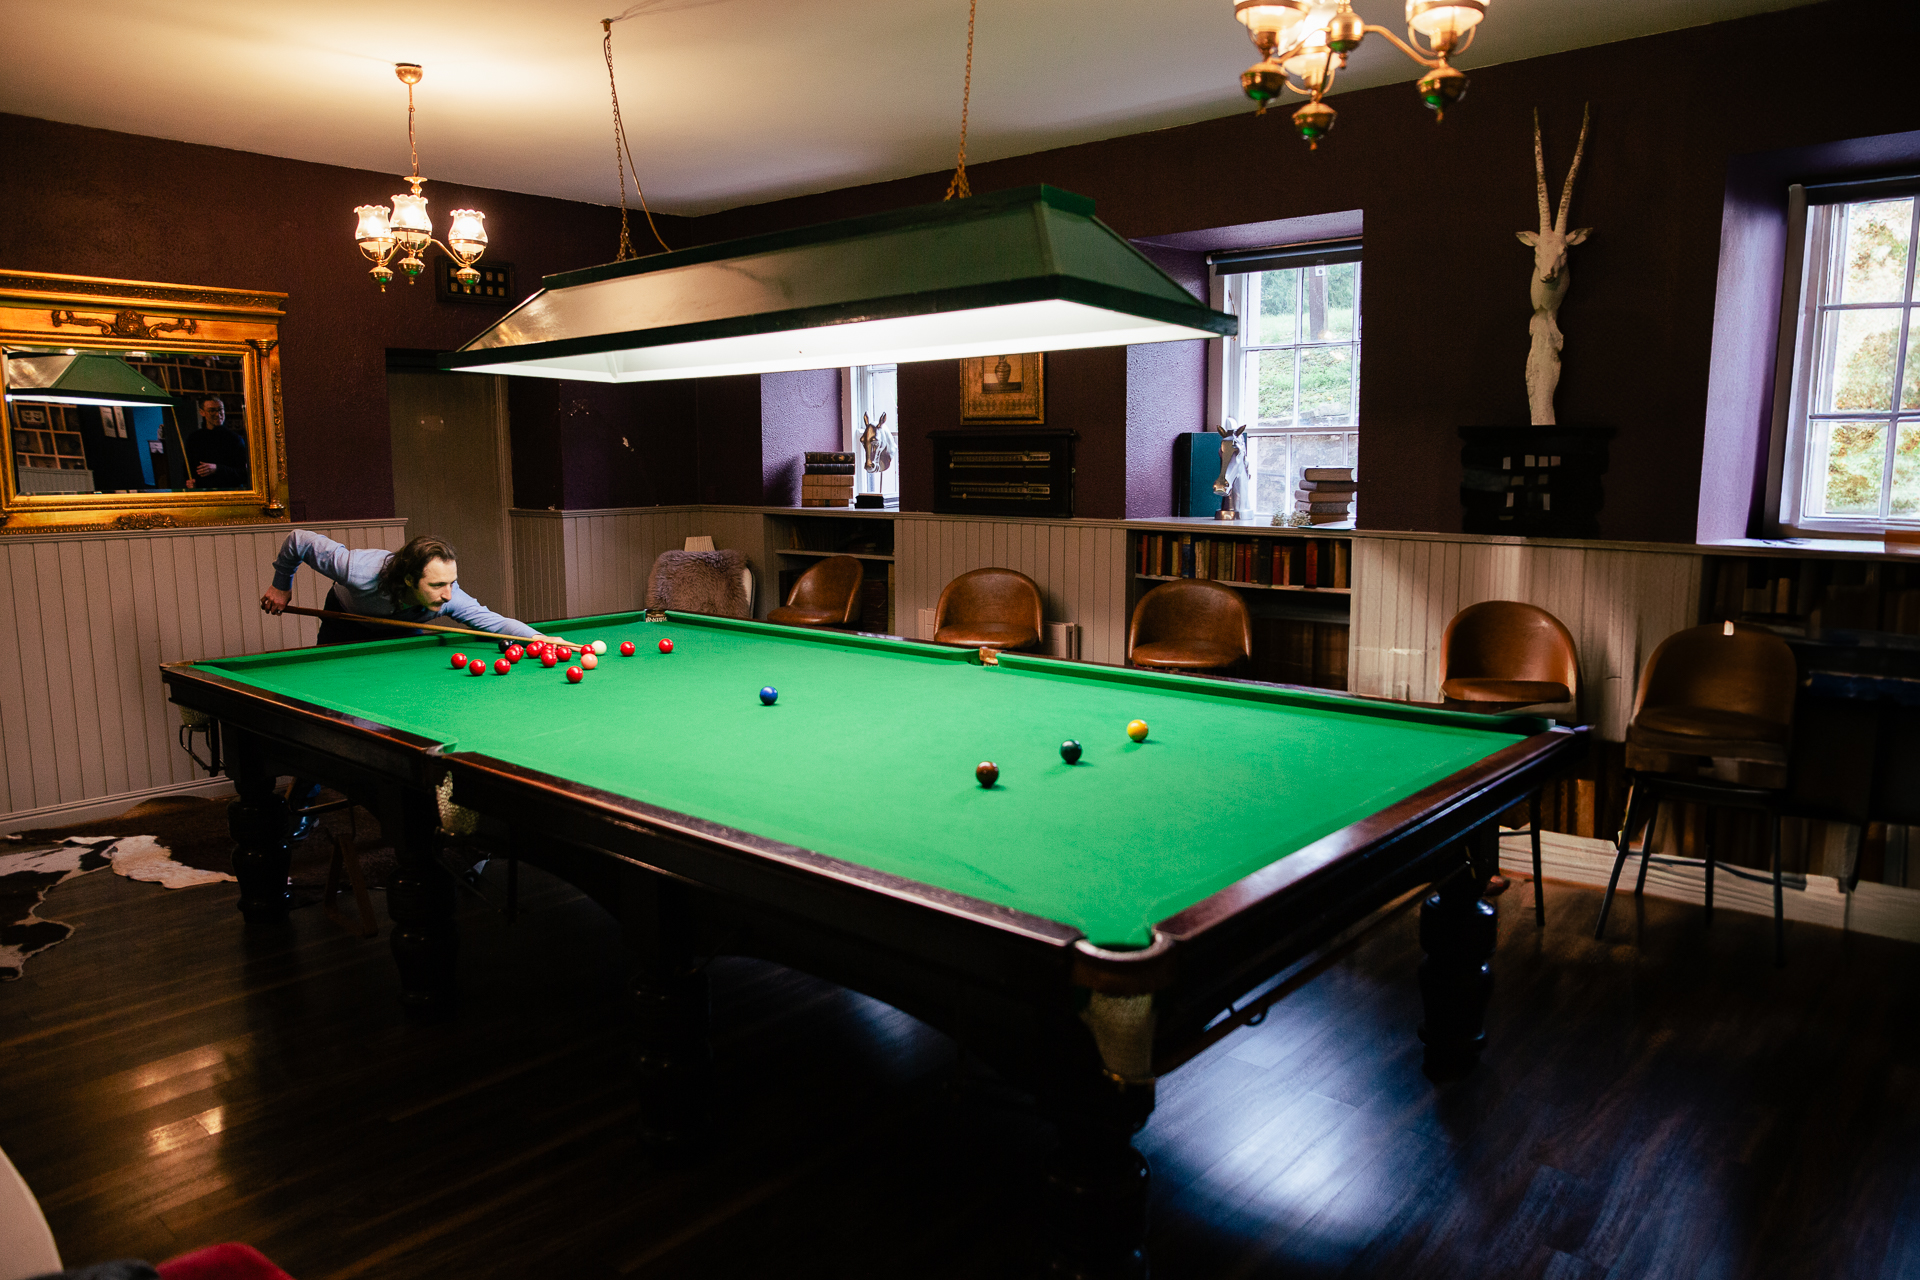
[(1551, 242)]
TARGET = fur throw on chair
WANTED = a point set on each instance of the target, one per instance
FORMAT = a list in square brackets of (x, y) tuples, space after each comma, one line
[(700, 582)]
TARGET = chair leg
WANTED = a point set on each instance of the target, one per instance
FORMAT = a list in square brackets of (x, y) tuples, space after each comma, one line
[(1623, 845), (1646, 848), (1779, 896), (1539, 899)]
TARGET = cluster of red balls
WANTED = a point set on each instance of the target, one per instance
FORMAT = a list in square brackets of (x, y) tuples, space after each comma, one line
[(551, 654)]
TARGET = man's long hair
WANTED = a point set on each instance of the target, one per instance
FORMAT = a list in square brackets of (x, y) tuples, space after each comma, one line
[(404, 567)]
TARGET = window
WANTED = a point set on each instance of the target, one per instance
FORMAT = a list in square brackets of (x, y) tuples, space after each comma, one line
[(1293, 374), (1853, 423), (871, 394)]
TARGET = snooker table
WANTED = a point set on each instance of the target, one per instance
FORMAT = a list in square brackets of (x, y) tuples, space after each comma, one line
[(1083, 927)]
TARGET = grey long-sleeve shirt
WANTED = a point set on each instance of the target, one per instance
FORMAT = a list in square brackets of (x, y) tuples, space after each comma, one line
[(356, 585)]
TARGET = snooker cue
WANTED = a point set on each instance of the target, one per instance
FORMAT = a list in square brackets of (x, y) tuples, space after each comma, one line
[(392, 622)]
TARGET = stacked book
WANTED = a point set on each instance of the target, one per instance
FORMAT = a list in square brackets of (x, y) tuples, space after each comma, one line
[(827, 480), (1326, 495)]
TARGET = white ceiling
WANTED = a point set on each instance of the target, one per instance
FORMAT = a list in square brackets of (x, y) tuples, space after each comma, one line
[(727, 102)]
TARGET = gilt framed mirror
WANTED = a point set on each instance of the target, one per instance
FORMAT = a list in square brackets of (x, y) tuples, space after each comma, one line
[(137, 405)]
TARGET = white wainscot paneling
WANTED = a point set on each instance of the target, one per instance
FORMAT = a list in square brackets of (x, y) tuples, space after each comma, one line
[(89, 618), (1618, 604)]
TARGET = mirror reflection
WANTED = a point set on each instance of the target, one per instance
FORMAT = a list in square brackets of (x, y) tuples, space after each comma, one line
[(126, 421)]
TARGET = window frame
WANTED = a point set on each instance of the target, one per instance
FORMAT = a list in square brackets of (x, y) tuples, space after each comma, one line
[(1811, 249), (1229, 270)]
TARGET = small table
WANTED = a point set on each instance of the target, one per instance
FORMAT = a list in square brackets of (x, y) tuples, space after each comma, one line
[(1085, 928)]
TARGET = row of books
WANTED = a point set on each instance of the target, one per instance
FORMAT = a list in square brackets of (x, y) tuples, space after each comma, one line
[(1264, 562), (826, 480), (1326, 494)]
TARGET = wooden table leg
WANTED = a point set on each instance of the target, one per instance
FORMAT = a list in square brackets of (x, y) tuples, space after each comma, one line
[(260, 821), (1097, 1184), (420, 901), (1458, 931), (671, 1003)]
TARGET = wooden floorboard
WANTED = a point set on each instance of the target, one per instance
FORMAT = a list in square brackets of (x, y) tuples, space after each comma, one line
[(1661, 1104)]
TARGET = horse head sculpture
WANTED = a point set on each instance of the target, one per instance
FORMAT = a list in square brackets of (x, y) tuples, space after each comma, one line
[(1232, 484)]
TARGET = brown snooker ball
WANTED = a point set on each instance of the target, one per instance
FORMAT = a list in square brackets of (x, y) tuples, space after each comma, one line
[(987, 773)]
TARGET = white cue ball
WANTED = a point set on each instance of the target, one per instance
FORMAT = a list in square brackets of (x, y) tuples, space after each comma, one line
[(600, 647)]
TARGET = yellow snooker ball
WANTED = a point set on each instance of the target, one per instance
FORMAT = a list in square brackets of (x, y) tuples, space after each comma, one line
[(1137, 730)]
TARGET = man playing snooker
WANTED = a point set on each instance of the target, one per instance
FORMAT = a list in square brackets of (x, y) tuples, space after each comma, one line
[(417, 583)]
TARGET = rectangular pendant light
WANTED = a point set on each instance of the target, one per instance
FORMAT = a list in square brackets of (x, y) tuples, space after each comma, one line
[(83, 378), (1025, 270)]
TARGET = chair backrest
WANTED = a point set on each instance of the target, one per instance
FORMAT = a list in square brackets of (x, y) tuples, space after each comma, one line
[(1751, 672), (712, 582), (990, 595), (26, 1243), (833, 584), (1509, 640), (1192, 609)]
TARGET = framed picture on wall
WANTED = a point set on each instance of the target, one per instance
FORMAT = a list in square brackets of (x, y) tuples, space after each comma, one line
[(1003, 389)]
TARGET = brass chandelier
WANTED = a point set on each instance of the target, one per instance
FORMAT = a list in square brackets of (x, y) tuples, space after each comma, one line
[(407, 227), (1305, 43)]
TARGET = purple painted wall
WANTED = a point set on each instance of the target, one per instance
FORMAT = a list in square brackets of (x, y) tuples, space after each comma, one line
[(799, 412), (1166, 393), (1446, 283), (97, 203)]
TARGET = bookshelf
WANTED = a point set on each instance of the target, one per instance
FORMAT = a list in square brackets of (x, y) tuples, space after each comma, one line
[(1298, 584)]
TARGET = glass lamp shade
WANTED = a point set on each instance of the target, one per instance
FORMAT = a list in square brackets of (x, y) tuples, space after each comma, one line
[(1443, 22), (373, 231), (1313, 64), (467, 234), (411, 225), (1278, 19)]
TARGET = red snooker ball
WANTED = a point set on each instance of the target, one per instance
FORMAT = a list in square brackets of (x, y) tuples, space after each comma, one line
[(547, 659), (459, 661), (501, 666), (563, 652), (666, 646), (515, 653), (626, 648), (476, 668), (575, 675), (987, 772)]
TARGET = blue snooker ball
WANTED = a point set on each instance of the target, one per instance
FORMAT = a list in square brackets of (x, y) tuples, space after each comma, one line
[(768, 695)]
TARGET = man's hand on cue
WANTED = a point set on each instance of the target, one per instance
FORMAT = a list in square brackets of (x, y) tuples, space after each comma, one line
[(273, 600)]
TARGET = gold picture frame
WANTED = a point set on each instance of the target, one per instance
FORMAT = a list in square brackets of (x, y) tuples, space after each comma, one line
[(161, 331), (1010, 388)]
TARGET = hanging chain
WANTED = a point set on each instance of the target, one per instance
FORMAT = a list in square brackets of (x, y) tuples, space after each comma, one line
[(960, 186), (623, 155), (412, 146)]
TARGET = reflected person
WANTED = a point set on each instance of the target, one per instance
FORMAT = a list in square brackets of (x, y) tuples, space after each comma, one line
[(217, 453)]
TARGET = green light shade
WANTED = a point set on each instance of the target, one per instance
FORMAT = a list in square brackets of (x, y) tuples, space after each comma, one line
[(1024, 270), (85, 378)]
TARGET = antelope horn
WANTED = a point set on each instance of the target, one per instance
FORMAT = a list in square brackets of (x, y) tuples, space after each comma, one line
[(1566, 194), (1540, 172)]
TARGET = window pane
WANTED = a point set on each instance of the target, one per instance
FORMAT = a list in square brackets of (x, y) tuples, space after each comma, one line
[(1272, 471), (1330, 302), (1855, 460), (1858, 370), (1275, 371), (1326, 387), (1906, 471), (1279, 303), (1873, 264), (1910, 381)]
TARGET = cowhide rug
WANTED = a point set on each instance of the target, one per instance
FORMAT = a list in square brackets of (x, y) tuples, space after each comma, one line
[(177, 842), (26, 877)]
